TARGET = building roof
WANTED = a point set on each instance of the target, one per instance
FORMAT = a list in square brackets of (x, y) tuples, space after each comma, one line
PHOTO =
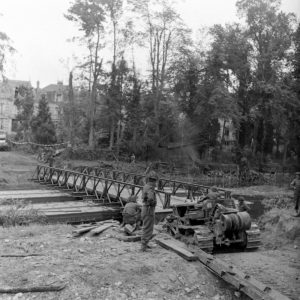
[(7, 87), (54, 88), (15, 83), (19, 82)]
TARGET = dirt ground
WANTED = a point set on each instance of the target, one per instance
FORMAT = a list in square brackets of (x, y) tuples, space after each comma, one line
[(15, 170), (100, 267), (105, 268)]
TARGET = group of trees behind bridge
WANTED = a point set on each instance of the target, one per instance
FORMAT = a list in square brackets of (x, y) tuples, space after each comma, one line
[(246, 73)]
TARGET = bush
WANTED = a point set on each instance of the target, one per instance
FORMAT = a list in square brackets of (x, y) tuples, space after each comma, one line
[(17, 212)]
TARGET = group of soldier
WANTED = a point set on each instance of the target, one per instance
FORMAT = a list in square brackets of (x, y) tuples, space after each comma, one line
[(133, 213)]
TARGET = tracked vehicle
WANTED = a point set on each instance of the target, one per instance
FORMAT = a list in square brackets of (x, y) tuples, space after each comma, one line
[(211, 224)]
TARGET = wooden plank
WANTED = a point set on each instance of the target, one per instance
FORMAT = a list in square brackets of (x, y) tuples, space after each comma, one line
[(133, 238), (177, 247), (21, 255), (32, 289), (101, 228), (241, 281), (83, 230)]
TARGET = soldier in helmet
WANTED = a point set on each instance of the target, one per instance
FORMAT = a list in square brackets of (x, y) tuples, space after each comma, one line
[(148, 209), (242, 205), (213, 194), (132, 211), (296, 185)]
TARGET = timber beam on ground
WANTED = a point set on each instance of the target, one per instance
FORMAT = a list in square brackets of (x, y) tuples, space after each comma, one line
[(103, 189), (241, 281), (173, 186)]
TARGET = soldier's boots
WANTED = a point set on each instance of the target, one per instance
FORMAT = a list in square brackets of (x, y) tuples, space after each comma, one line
[(145, 247)]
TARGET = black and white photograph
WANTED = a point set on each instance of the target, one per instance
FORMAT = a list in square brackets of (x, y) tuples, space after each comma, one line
[(149, 149)]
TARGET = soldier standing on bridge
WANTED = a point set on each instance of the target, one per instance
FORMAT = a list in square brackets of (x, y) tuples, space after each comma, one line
[(296, 185), (148, 209)]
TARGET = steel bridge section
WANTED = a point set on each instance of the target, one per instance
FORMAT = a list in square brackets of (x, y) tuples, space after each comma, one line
[(192, 190), (105, 190)]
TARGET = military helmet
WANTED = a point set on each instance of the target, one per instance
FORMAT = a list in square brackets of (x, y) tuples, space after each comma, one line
[(152, 176), (241, 199), (132, 198)]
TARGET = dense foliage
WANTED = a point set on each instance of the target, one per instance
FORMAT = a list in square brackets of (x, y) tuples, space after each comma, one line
[(43, 130), (241, 77)]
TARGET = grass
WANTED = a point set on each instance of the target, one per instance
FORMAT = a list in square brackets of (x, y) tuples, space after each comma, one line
[(17, 212)]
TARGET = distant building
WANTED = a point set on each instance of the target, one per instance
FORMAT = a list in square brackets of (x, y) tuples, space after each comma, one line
[(55, 94), (8, 110)]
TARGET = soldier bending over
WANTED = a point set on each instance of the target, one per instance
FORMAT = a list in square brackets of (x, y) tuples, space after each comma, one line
[(132, 212)]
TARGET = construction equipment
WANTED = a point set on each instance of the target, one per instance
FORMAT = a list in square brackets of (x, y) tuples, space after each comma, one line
[(211, 224)]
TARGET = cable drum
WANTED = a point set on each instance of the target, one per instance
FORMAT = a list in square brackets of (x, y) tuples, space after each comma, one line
[(245, 220), (235, 222), (226, 222)]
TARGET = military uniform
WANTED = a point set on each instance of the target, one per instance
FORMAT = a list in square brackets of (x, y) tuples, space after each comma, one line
[(212, 195), (296, 184), (131, 213), (243, 207), (148, 213)]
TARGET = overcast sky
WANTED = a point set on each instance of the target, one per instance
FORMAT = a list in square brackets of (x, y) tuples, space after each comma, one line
[(39, 32)]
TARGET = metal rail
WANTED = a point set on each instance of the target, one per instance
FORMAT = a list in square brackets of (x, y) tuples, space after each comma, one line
[(101, 189), (191, 189)]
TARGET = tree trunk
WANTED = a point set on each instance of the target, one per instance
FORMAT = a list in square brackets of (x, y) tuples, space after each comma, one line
[(72, 111), (92, 114), (118, 133), (223, 135), (134, 138), (268, 138), (286, 143), (112, 133)]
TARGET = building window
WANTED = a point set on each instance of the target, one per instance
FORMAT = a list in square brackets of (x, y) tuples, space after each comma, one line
[(226, 131), (14, 125), (1, 108)]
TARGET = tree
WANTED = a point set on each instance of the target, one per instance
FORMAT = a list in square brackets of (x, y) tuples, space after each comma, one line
[(230, 54), (5, 50), (269, 32), (294, 113), (114, 10), (133, 114), (42, 127), (165, 31), (90, 16), (24, 101)]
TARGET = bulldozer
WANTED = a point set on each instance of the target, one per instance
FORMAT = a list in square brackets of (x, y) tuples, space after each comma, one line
[(213, 224)]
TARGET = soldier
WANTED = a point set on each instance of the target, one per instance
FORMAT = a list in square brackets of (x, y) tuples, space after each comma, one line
[(148, 209), (213, 194), (50, 158), (132, 159), (296, 185), (132, 211), (242, 205)]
